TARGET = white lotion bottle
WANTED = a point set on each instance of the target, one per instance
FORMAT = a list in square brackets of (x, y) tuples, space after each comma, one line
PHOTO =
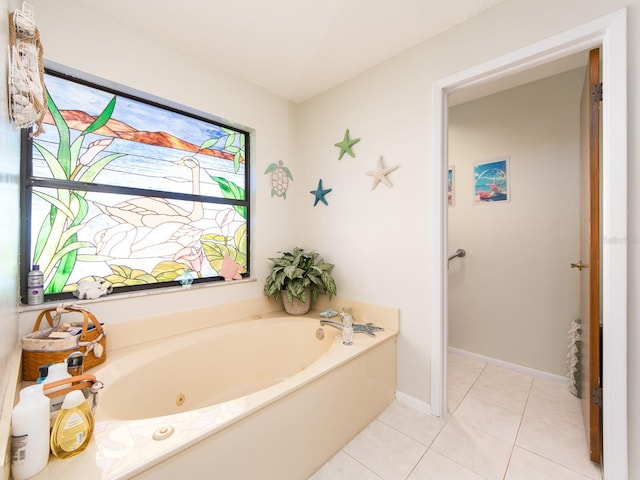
[(57, 371), (30, 433), (35, 286)]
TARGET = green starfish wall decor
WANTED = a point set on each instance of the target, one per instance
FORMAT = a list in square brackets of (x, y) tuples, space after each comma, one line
[(346, 144), (320, 194)]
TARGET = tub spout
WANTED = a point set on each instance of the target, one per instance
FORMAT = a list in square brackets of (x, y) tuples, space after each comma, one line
[(346, 327), (333, 324)]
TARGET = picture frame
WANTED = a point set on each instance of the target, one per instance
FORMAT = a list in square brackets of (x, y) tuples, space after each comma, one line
[(451, 177), (491, 181)]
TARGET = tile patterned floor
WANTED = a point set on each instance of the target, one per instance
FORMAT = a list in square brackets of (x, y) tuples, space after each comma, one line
[(504, 425)]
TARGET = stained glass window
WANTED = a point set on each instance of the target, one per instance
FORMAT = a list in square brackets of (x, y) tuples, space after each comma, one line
[(128, 191)]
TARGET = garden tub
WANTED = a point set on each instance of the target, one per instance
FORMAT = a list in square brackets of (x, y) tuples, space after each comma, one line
[(260, 398)]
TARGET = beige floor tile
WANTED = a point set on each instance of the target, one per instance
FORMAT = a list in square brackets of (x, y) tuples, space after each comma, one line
[(414, 424), (434, 466), (462, 372), (480, 452), (489, 418), (552, 403), (566, 446), (454, 398), (503, 387), (342, 467), (525, 465), (387, 452), (489, 406)]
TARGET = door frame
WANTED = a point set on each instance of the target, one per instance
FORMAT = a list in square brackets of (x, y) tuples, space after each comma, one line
[(610, 33)]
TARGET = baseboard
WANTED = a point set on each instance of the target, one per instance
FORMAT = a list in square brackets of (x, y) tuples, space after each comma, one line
[(413, 402), (512, 366)]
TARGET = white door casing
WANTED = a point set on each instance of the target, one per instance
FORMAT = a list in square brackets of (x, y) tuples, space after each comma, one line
[(610, 33)]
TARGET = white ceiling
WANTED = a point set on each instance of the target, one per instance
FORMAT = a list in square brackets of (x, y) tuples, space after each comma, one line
[(293, 48)]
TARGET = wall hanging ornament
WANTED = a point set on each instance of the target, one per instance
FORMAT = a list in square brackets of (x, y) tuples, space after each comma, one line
[(320, 193), (346, 144), (25, 82), (280, 176), (573, 358), (380, 174)]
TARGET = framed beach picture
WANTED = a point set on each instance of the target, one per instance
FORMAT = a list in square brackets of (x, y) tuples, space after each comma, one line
[(451, 186), (491, 181)]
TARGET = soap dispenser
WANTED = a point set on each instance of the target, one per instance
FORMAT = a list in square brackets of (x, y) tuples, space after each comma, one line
[(73, 427), (57, 371), (30, 433)]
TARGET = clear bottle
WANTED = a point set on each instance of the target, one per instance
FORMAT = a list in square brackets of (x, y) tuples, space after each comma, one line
[(73, 427), (30, 433), (35, 286)]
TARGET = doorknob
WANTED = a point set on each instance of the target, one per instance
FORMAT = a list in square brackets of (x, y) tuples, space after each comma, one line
[(579, 265)]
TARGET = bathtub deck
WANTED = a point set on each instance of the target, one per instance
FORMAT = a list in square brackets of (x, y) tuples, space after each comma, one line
[(301, 422)]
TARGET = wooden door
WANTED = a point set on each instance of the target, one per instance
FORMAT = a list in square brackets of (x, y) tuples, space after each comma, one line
[(590, 277)]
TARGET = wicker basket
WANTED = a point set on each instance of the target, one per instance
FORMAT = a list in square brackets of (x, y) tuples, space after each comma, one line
[(38, 349)]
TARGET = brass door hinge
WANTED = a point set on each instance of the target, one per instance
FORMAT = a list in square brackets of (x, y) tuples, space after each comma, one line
[(596, 92), (596, 396)]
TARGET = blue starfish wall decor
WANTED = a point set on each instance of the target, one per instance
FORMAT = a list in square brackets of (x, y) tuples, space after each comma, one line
[(346, 144), (320, 193)]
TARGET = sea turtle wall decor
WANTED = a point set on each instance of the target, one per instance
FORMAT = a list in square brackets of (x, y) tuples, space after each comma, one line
[(280, 176)]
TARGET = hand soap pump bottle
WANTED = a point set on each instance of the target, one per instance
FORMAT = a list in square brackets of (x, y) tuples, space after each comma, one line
[(30, 433), (57, 371), (73, 427)]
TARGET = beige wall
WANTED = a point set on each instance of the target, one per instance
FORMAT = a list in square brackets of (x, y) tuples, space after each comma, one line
[(384, 235), (514, 296), (9, 220), (379, 239)]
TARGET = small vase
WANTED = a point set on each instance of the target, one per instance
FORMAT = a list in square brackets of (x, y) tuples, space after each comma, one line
[(297, 307)]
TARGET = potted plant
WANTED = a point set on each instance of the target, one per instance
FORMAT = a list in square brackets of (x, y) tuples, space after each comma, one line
[(298, 277)]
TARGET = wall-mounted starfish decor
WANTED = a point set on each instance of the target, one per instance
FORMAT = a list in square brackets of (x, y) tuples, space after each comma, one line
[(380, 174), (320, 193), (346, 144)]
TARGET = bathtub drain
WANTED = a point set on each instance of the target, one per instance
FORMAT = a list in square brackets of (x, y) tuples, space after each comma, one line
[(180, 398), (163, 433)]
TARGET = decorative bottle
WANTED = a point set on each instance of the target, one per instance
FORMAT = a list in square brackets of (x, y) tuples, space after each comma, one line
[(73, 427), (35, 286), (30, 433)]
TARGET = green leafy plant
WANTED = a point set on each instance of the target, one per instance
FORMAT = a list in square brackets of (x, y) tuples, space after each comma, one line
[(295, 272)]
